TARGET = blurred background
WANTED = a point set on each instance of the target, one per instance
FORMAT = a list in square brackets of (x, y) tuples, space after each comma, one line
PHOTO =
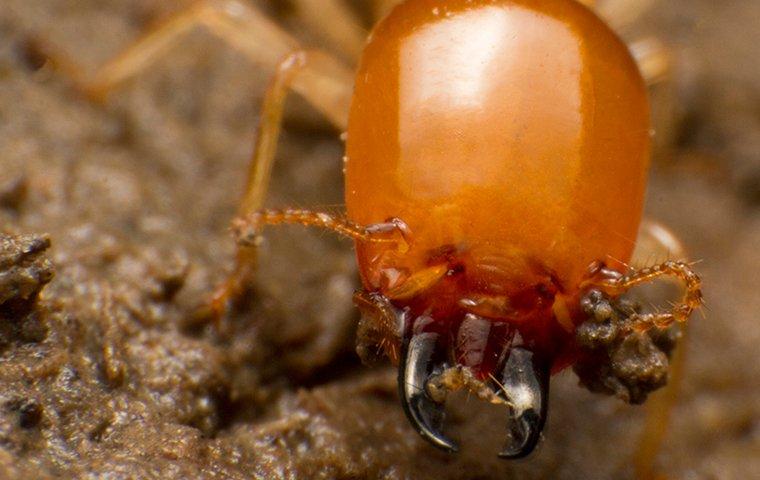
[(113, 374)]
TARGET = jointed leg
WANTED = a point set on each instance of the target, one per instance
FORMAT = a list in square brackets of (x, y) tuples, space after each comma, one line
[(303, 70), (323, 81), (381, 8), (691, 300), (326, 84), (653, 60), (650, 54), (656, 243), (244, 27), (248, 229), (658, 411), (336, 23), (655, 64), (620, 14)]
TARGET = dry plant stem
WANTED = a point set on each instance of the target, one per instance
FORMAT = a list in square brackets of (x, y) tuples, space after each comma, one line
[(692, 298)]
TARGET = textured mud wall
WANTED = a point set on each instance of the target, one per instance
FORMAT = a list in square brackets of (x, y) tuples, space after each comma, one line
[(109, 372)]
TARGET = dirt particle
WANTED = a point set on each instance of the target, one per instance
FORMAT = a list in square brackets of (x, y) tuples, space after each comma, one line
[(24, 270), (30, 414)]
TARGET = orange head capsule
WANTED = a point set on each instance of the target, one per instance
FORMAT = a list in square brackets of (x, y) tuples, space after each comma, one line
[(511, 137)]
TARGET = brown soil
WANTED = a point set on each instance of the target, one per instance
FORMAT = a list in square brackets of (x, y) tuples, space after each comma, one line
[(107, 374)]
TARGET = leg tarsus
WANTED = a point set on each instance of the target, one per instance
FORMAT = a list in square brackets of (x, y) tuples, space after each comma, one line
[(233, 287), (692, 298)]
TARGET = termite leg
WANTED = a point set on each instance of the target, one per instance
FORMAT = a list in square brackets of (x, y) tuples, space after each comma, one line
[(327, 85), (621, 14), (656, 243), (651, 55), (653, 59), (336, 23), (240, 24), (300, 70), (658, 412), (691, 300), (381, 8), (247, 229), (655, 64), (305, 71)]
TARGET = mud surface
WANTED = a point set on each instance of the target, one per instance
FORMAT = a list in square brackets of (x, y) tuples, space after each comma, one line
[(108, 374)]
